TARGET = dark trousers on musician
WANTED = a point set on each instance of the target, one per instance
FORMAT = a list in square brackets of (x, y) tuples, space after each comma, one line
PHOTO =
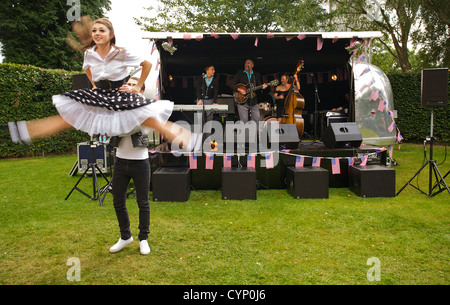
[(243, 111), (139, 171), (208, 115)]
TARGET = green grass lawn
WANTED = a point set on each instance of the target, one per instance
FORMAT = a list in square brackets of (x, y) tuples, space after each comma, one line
[(274, 240)]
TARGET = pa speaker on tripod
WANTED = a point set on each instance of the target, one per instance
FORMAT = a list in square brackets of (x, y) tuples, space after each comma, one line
[(434, 87), (434, 93)]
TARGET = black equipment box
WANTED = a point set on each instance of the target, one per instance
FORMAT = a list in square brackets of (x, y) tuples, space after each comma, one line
[(307, 182), (171, 184), (372, 181), (238, 183)]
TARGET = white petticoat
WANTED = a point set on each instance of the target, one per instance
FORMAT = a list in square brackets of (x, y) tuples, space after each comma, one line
[(98, 120)]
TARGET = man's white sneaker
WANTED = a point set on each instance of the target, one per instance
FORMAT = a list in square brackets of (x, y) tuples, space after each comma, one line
[(120, 245), (143, 245)]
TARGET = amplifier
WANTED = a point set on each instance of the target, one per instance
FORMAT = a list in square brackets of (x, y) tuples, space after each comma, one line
[(229, 101), (102, 157)]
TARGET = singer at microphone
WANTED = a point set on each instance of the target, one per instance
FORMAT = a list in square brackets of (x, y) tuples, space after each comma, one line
[(207, 90), (246, 98)]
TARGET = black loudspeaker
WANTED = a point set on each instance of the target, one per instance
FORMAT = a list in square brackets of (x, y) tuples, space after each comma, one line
[(372, 181), (307, 182), (80, 81), (434, 87), (287, 135), (238, 183), (171, 184), (240, 137), (339, 135)]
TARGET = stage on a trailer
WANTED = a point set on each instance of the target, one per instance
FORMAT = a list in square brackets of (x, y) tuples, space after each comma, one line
[(338, 84)]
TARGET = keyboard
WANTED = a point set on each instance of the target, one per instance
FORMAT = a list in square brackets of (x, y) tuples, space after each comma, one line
[(200, 107)]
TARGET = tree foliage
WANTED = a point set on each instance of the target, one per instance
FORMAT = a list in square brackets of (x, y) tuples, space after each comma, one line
[(234, 16), (34, 31), (416, 32), (434, 36), (422, 25)]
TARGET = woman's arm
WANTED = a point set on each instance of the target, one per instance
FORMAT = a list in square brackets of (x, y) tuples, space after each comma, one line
[(89, 75), (146, 67)]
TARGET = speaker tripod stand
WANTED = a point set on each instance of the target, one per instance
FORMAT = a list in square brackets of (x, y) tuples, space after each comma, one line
[(433, 171), (97, 192)]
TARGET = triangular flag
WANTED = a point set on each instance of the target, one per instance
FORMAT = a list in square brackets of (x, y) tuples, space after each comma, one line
[(234, 35), (319, 43)]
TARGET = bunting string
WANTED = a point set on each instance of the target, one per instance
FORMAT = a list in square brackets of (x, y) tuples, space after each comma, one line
[(360, 159)]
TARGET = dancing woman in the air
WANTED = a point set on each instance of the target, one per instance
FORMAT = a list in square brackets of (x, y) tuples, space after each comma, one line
[(104, 109)]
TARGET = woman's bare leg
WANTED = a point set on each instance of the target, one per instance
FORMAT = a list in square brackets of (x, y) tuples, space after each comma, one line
[(174, 133), (46, 127)]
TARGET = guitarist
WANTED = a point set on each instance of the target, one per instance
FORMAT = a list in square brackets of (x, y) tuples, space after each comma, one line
[(249, 78)]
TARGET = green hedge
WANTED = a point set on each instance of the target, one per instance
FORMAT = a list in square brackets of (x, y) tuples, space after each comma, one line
[(26, 94), (414, 120)]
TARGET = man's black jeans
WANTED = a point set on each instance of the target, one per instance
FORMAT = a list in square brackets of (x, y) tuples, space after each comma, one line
[(139, 171)]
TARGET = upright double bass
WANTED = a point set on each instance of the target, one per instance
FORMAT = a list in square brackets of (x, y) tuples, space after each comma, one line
[(294, 105)]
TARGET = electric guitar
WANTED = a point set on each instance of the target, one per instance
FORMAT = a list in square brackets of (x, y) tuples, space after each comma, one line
[(249, 91)]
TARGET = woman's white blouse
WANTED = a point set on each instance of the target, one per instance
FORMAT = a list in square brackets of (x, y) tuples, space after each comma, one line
[(113, 67)]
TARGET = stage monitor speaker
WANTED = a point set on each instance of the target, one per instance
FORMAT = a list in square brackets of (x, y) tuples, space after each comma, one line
[(339, 135), (240, 137), (287, 134), (80, 81), (434, 87)]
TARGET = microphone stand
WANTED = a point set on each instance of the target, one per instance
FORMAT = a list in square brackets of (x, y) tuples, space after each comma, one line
[(316, 101)]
